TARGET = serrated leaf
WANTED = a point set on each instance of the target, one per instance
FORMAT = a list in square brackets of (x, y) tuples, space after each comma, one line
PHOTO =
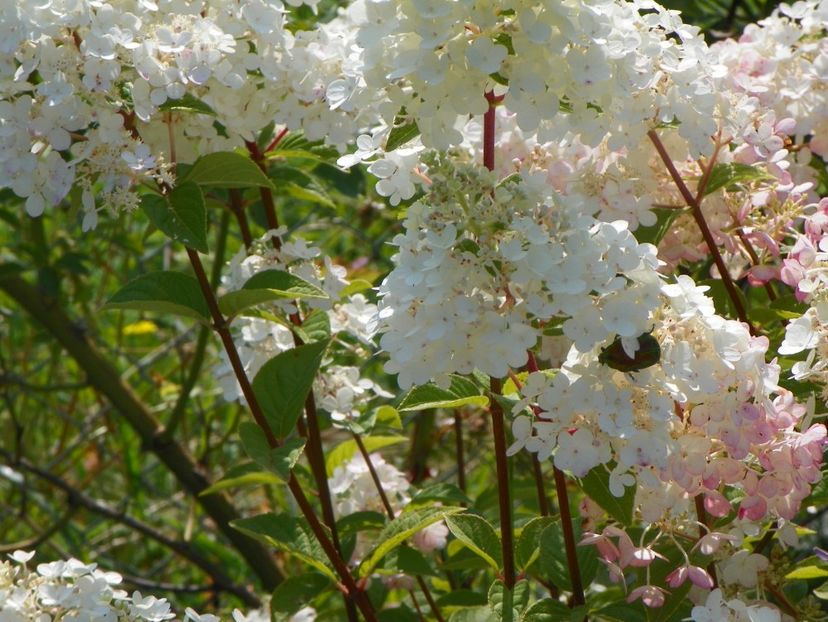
[(165, 292), (479, 536), (278, 460), (596, 486), (286, 533), (400, 529), (348, 449), (500, 598), (552, 562), (182, 217), (242, 475), (546, 610), (227, 169), (724, 175), (527, 548), (461, 392), (283, 383), (187, 102), (404, 131), (808, 572), (294, 593), (268, 286)]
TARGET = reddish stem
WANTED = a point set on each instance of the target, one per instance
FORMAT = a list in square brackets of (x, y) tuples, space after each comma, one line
[(221, 327), (698, 216)]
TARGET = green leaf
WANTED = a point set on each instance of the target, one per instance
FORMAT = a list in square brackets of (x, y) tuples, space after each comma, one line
[(242, 475), (676, 607), (726, 175), (547, 610), (517, 599), (404, 130), (174, 293), (277, 460), (400, 529), (552, 562), (461, 392), (182, 218), (444, 492), (360, 521), (822, 591), (618, 612), (308, 193), (653, 234), (295, 592), (808, 572), (288, 534), (227, 169), (189, 103), (354, 287), (477, 534), (267, 286), (596, 486), (527, 548), (283, 383), (348, 449), (474, 614), (408, 561), (315, 327)]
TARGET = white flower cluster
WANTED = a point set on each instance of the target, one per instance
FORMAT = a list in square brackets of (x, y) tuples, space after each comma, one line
[(598, 74), (782, 62), (92, 92), (340, 389), (708, 414), (717, 609), (72, 590), (607, 67), (478, 263)]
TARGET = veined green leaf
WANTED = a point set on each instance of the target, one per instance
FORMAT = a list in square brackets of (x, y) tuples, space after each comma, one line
[(461, 392), (227, 169), (478, 535), (174, 293), (286, 533), (400, 529), (283, 383)]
